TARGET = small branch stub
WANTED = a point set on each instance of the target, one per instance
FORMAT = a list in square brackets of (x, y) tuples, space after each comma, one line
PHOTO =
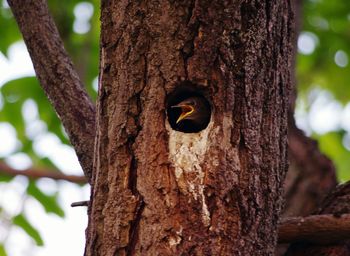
[(80, 203)]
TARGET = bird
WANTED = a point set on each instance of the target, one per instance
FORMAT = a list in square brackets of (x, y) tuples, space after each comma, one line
[(195, 114)]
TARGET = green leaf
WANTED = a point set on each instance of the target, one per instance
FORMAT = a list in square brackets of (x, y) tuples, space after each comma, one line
[(331, 145), (23, 223), (46, 162), (49, 202), (2, 250), (5, 178), (329, 22), (15, 92), (9, 30)]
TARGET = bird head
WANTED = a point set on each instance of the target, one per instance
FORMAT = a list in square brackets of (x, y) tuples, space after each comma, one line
[(194, 109), (187, 109)]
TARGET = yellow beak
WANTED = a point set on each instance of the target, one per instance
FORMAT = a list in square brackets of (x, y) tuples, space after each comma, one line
[(186, 111)]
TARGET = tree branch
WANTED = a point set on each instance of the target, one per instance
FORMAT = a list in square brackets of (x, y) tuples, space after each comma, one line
[(58, 77), (34, 173), (335, 233), (316, 229)]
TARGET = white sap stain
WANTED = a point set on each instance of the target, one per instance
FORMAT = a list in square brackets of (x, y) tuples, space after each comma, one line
[(175, 240), (187, 153)]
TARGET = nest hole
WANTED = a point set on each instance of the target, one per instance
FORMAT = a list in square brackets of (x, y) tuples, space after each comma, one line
[(188, 92)]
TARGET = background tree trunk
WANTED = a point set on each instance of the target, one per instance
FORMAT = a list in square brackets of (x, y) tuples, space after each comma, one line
[(311, 175), (156, 191)]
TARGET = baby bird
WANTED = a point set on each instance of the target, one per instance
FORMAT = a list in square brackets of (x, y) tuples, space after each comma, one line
[(195, 112)]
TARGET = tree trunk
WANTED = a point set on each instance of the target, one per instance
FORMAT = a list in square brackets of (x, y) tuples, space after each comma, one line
[(157, 191)]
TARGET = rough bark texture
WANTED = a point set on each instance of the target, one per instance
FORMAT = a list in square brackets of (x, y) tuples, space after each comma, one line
[(57, 76), (217, 192), (336, 203)]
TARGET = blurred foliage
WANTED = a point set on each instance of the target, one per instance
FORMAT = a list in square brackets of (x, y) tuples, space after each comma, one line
[(15, 93), (329, 23), (2, 250), (21, 221), (83, 49), (49, 202), (332, 144), (11, 33), (326, 25)]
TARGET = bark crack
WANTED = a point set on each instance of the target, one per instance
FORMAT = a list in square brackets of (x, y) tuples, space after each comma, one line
[(134, 227), (191, 9), (187, 50), (268, 15)]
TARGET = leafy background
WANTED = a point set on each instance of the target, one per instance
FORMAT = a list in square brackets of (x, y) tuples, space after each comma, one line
[(323, 77), (322, 111), (25, 109)]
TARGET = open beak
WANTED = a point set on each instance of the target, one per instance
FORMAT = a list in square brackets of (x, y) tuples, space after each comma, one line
[(186, 111)]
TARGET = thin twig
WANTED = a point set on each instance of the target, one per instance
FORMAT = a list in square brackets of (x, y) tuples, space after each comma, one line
[(34, 173)]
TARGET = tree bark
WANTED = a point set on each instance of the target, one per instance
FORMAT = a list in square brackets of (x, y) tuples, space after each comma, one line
[(157, 191)]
